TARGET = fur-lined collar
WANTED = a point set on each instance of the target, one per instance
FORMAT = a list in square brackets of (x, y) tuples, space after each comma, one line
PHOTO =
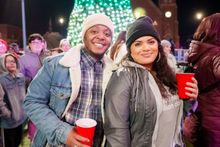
[(72, 57)]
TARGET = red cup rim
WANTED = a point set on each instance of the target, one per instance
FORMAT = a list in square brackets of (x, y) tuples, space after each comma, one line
[(86, 122), (186, 73)]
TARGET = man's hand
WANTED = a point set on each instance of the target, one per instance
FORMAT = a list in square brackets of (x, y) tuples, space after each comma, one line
[(75, 140)]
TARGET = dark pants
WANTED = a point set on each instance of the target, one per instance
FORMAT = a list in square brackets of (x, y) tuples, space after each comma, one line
[(13, 136)]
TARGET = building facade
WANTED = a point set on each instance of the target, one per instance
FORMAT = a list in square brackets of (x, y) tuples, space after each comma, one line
[(11, 33), (164, 15)]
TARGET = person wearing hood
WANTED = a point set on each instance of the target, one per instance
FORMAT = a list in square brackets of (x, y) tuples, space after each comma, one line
[(142, 108), (70, 86), (204, 55), (11, 111)]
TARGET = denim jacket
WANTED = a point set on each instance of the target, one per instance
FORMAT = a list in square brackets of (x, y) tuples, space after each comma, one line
[(52, 92), (11, 110)]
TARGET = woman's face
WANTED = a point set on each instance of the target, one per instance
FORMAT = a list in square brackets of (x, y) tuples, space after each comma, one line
[(167, 49), (10, 64), (144, 51)]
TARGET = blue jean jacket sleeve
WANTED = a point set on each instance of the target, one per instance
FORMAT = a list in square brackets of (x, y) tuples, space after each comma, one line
[(37, 105)]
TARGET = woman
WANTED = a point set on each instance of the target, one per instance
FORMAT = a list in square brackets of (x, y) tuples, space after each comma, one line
[(142, 108), (171, 59), (205, 57), (118, 49), (12, 114)]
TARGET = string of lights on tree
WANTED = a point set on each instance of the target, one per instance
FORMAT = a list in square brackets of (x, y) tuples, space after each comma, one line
[(119, 11)]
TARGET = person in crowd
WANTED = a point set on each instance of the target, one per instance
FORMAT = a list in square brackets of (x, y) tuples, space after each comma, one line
[(12, 113), (204, 55), (118, 49), (142, 108), (2, 144), (70, 86), (64, 44), (55, 51), (3, 46), (45, 51), (30, 63), (15, 50), (171, 59), (173, 46), (3, 50)]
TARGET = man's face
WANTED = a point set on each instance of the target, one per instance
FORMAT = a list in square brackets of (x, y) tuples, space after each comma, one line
[(36, 46), (97, 40)]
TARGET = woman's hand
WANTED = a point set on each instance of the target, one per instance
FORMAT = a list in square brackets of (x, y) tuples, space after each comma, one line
[(192, 87)]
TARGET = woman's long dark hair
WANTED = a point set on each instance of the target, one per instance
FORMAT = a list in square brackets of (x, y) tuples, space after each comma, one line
[(164, 73), (118, 43), (208, 30)]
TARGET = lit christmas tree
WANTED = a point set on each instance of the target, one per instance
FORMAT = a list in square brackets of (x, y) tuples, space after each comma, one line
[(119, 11)]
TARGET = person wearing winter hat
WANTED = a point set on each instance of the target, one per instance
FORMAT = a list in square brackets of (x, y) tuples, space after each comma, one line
[(171, 59), (95, 19), (142, 107), (70, 86)]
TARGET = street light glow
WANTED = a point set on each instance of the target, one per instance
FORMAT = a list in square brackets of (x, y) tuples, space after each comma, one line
[(199, 15), (61, 20), (139, 11), (168, 14)]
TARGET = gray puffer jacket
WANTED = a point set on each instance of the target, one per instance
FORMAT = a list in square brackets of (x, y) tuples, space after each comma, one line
[(130, 108)]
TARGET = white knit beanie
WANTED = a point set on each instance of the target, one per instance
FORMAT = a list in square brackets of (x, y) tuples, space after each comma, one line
[(165, 43), (95, 19)]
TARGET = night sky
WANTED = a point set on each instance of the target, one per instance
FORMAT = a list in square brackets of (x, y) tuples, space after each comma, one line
[(38, 13)]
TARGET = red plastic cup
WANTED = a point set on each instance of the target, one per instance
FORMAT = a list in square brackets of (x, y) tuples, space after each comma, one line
[(182, 78), (86, 128)]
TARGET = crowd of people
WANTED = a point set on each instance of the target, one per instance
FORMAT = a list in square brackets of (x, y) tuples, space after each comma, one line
[(131, 90), (17, 70)]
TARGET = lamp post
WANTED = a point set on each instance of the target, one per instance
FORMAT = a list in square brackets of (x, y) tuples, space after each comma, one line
[(23, 23)]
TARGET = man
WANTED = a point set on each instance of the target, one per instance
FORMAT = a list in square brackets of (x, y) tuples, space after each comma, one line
[(71, 86)]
